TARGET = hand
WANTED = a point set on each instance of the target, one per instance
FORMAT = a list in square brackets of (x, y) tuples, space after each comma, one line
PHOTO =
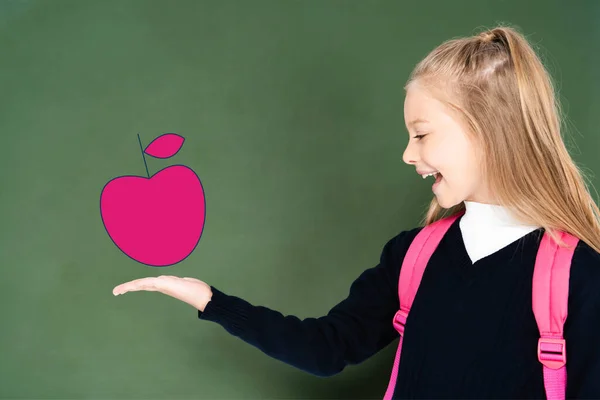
[(189, 290)]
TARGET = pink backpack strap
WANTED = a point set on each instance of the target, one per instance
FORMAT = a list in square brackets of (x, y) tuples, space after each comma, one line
[(413, 266), (550, 303)]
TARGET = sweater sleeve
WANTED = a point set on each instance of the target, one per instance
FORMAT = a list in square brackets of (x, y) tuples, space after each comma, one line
[(582, 326), (353, 330)]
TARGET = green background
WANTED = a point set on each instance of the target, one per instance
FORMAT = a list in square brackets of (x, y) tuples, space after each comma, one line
[(292, 113)]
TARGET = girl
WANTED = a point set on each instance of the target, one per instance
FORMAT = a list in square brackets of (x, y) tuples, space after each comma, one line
[(484, 120)]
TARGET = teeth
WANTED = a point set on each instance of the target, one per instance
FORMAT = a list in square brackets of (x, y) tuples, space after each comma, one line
[(433, 173)]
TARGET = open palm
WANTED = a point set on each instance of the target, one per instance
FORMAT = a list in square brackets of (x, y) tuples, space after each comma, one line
[(189, 290)]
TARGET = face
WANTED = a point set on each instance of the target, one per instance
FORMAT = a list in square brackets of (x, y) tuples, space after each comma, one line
[(445, 147)]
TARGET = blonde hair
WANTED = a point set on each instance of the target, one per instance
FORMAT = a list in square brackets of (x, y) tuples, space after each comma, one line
[(501, 92)]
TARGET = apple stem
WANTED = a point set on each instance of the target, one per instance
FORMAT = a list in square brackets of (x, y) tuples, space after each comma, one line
[(143, 156)]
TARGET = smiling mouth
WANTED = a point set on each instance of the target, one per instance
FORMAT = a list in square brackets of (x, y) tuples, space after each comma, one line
[(437, 176)]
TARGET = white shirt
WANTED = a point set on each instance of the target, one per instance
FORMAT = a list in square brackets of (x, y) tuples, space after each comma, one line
[(487, 228)]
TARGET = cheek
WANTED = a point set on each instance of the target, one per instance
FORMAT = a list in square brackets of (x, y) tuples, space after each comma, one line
[(443, 159), (467, 171), (456, 163)]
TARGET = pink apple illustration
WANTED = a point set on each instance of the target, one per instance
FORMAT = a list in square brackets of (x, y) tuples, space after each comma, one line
[(158, 220)]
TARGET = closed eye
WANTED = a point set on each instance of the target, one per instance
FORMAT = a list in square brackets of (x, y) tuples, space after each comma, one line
[(418, 136)]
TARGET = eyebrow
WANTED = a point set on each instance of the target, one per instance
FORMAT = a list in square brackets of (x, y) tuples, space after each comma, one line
[(417, 121)]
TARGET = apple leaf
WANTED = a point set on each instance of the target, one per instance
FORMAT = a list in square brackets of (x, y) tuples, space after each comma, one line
[(165, 146)]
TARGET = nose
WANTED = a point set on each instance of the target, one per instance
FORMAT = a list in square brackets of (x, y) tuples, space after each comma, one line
[(410, 155)]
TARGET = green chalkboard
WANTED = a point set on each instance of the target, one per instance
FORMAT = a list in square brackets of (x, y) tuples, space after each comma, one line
[(292, 114)]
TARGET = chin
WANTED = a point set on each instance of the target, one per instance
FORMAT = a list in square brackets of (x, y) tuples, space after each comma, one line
[(444, 205), (447, 203)]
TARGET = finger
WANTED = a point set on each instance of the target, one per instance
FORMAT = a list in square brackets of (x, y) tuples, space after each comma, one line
[(149, 284), (143, 282), (123, 286)]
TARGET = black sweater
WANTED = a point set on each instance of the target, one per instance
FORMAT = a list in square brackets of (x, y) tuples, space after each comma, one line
[(471, 332)]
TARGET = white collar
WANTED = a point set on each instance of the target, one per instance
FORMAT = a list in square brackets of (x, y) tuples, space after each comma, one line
[(487, 228)]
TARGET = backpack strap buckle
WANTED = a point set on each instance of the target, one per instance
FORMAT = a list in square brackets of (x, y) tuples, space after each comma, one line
[(552, 352), (400, 321)]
